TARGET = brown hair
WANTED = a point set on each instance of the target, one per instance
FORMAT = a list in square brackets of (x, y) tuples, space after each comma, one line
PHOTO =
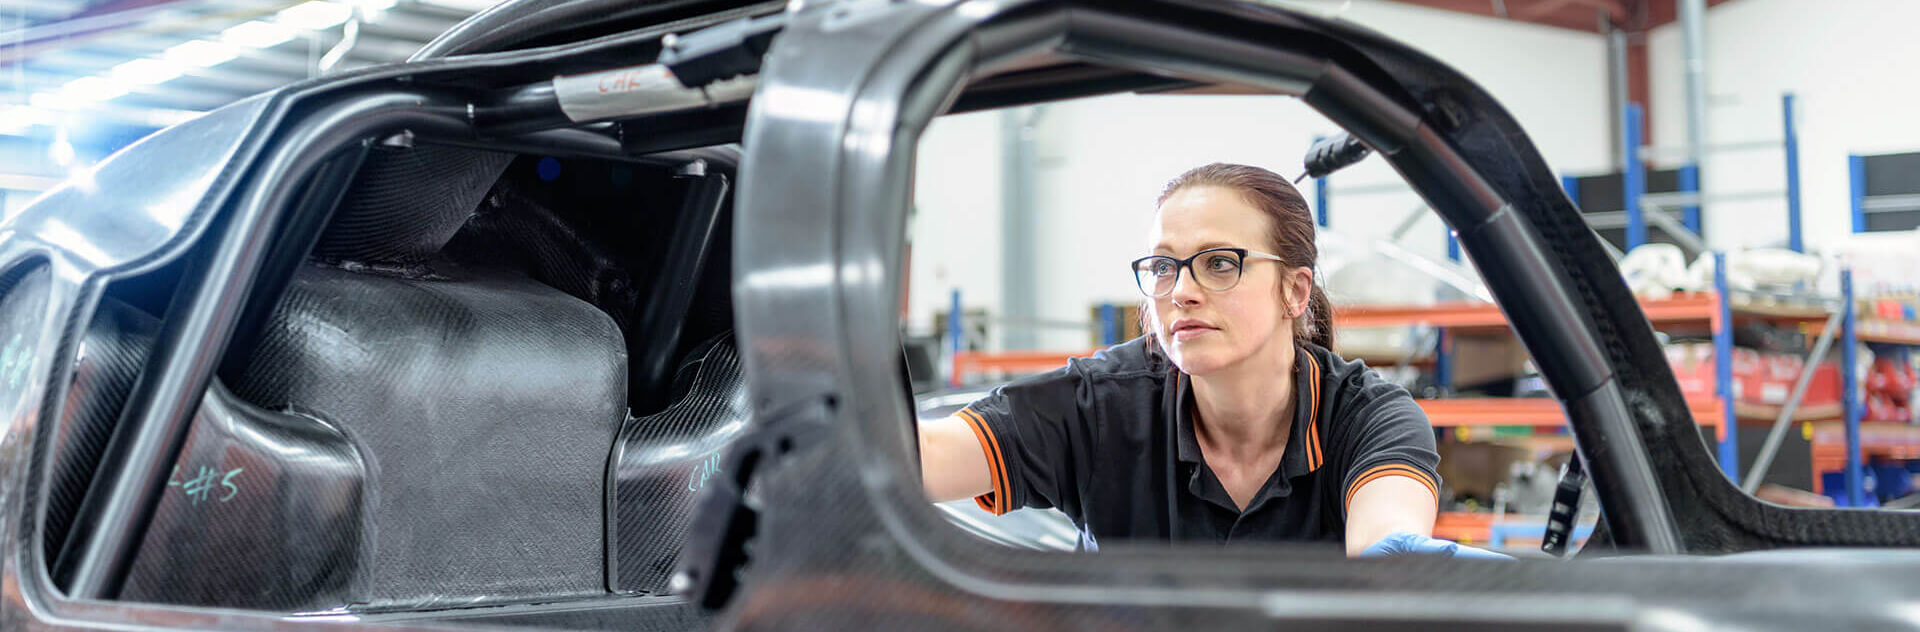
[(1291, 237)]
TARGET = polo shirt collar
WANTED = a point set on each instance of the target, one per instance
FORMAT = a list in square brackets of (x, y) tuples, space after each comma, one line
[(1303, 454)]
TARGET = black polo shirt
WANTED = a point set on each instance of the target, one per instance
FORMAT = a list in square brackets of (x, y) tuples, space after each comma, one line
[(1109, 440)]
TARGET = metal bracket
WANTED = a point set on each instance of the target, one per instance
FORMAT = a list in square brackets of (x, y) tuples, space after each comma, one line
[(718, 549), (1333, 153), (1566, 505), (722, 51)]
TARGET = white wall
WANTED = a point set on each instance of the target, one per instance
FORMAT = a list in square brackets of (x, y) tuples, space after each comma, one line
[(955, 231), (1852, 66), (1103, 161)]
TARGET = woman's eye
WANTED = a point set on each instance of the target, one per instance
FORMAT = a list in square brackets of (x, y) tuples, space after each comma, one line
[(1162, 268), (1221, 263)]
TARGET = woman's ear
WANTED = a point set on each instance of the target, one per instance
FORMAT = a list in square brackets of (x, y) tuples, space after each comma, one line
[(1299, 290)]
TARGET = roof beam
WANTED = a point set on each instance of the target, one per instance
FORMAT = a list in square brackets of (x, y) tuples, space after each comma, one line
[(407, 25), (172, 95), (177, 15)]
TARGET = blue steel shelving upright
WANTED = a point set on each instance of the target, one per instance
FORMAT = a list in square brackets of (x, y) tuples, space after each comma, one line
[(1849, 389), (1634, 187), (1859, 202)]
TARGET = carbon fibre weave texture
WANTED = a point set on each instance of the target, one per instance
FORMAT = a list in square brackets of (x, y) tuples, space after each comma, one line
[(407, 202), (485, 485), (263, 510), (665, 460), (280, 534), (109, 360), (544, 229)]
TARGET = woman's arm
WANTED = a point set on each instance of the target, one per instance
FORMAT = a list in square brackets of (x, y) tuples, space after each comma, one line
[(952, 464), (1385, 449), (1387, 505)]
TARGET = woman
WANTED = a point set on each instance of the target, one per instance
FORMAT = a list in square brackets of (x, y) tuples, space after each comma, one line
[(1230, 420)]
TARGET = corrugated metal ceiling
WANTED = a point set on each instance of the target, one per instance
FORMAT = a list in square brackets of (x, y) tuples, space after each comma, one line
[(85, 77)]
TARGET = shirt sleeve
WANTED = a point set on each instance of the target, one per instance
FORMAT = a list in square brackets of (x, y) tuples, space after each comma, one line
[(1382, 433), (1037, 441)]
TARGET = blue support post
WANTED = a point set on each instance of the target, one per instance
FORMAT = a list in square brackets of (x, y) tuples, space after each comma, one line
[(1320, 200), (1453, 246), (1723, 370), (1792, 147), (1633, 180), (1690, 183), (954, 335), (1571, 184), (1857, 174), (1109, 325), (1849, 389)]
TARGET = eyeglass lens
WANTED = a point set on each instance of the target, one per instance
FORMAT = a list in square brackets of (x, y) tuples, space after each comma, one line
[(1216, 270)]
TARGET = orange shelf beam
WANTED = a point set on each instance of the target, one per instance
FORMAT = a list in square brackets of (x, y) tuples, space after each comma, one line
[(1463, 527), (1877, 438), (1887, 331), (1466, 314), (1539, 412), (1021, 362), (1475, 528), (1828, 442), (1694, 307), (1768, 413)]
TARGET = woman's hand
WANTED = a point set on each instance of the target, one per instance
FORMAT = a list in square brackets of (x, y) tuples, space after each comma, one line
[(1411, 544)]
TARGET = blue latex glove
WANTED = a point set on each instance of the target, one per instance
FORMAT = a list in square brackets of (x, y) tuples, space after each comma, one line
[(1403, 543)]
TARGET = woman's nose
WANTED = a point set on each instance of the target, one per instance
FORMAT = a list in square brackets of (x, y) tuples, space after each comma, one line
[(1186, 288)]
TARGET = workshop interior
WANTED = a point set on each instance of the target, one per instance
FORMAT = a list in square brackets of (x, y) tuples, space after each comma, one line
[(583, 314)]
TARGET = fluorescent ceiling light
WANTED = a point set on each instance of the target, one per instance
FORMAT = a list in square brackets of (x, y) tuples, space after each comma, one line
[(373, 10), (145, 71), (61, 151), (200, 53), (315, 15), (15, 120), (464, 5), (257, 34), (22, 114), (51, 102), (92, 90)]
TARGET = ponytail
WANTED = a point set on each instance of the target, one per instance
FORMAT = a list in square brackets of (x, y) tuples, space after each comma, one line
[(1316, 325)]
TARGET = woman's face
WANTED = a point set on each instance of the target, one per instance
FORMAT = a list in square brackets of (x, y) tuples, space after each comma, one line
[(1205, 331)]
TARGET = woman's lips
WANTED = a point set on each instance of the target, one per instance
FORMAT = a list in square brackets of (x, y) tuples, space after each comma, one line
[(1185, 331), (1191, 333)]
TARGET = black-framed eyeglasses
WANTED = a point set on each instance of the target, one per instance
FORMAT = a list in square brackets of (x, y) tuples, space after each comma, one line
[(1218, 270)]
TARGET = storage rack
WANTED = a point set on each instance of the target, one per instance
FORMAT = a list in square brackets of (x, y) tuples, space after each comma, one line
[(1635, 199), (1891, 198)]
